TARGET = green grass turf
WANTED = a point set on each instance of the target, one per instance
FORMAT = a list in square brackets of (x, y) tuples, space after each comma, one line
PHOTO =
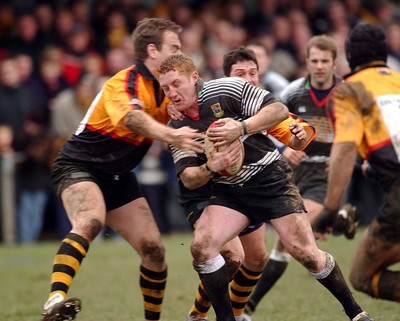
[(107, 284)]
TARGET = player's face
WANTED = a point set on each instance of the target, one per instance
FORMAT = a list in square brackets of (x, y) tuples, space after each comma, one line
[(247, 70), (171, 46), (180, 89), (321, 66)]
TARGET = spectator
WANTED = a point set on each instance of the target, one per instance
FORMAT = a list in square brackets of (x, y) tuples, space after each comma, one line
[(78, 44), (51, 82), (6, 140), (45, 17), (115, 60), (393, 43), (35, 144), (70, 105), (27, 38), (15, 100), (63, 24), (116, 28)]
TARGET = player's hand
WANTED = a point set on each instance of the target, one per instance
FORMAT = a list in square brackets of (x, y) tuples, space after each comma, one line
[(323, 223), (187, 138), (173, 113), (220, 160), (226, 130), (294, 157), (298, 131)]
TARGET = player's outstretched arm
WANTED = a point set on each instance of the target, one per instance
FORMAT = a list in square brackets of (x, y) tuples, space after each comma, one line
[(267, 117), (226, 132), (145, 125), (341, 165)]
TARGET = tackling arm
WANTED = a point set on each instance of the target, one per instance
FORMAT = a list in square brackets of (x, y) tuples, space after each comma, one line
[(143, 124), (341, 165), (267, 118), (228, 130)]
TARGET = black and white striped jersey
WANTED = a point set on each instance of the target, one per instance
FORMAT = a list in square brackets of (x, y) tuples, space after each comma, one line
[(235, 98)]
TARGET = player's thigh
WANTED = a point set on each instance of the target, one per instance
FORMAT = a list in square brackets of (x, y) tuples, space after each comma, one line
[(255, 248), (313, 208), (135, 223), (83, 201), (216, 226)]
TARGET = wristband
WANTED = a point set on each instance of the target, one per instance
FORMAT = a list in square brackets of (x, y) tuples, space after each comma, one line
[(244, 125), (209, 170)]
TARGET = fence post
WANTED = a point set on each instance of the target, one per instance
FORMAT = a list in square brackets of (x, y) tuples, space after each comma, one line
[(8, 199)]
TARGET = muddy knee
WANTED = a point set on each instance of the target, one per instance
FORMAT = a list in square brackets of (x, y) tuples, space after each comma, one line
[(310, 262), (232, 262), (199, 251), (153, 251), (90, 229)]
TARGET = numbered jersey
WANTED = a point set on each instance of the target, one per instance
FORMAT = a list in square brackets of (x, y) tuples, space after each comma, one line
[(365, 110)]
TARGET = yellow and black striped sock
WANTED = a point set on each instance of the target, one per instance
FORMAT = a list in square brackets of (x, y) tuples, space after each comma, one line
[(241, 287), (201, 304), (67, 263), (152, 285)]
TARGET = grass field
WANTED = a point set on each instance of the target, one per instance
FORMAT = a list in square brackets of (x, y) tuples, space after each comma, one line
[(107, 284)]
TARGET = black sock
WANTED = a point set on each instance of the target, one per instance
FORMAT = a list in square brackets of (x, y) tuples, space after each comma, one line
[(337, 285), (272, 272), (216, 286)]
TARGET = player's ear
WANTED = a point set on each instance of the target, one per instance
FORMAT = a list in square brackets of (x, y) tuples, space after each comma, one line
[(195, 76), (151, 50)]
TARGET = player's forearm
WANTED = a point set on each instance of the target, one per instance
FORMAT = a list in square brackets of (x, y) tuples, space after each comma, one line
[(195, 177), (268, 117), (144, 125), (341, 166)]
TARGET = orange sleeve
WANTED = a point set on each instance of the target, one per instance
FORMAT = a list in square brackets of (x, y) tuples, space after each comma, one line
[(282, 131)]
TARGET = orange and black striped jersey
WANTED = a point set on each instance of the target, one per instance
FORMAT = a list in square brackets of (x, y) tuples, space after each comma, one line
[(365, 110), (102, 140)]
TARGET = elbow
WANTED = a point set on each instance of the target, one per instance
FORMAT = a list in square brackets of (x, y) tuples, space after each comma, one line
[(283, 112), (189, 185), (187, 180)]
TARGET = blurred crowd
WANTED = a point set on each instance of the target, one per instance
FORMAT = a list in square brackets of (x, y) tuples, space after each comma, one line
[(55, 56)]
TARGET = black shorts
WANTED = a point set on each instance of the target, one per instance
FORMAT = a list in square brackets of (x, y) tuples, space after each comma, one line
[(312, 180), (387, 224), (268, 195), (117, 190)]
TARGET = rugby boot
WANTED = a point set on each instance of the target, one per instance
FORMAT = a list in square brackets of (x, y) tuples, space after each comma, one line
[(363, 316), (193, 317), (59, 309), (243, 317)]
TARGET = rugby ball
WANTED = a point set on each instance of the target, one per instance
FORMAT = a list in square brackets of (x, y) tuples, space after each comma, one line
[(210, 149)]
